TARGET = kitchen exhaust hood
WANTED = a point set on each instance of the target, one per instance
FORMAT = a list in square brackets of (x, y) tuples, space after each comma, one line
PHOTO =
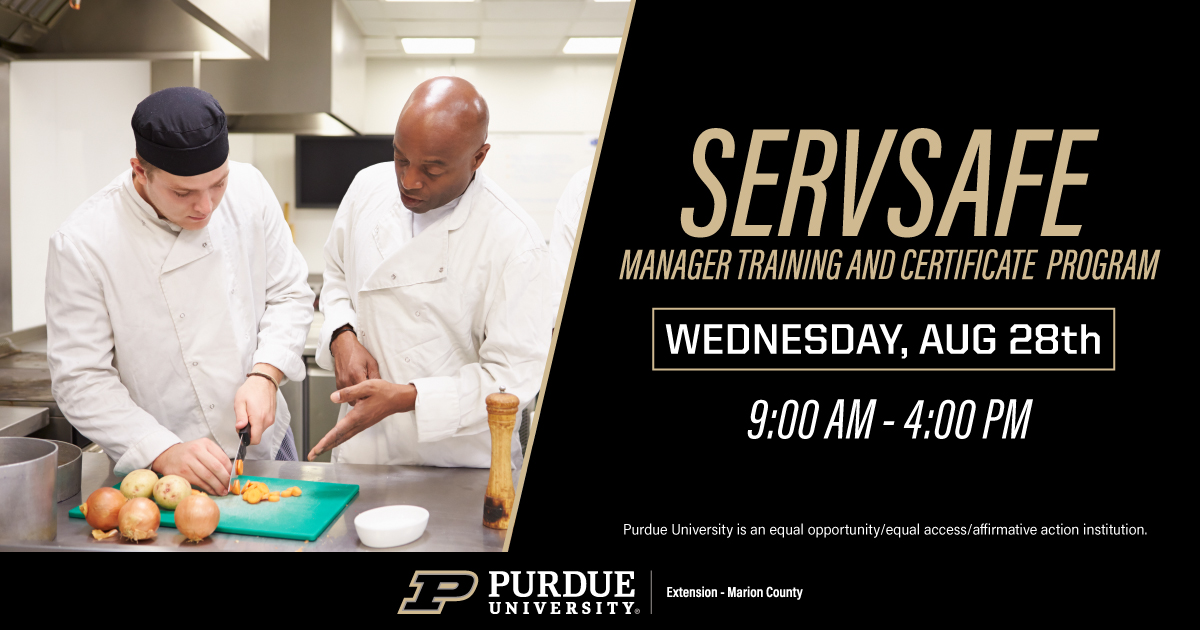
[(23, 22), (136, 29), (276, 66)]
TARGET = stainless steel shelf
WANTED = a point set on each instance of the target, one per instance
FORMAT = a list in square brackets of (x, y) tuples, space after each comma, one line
[(21, 421)]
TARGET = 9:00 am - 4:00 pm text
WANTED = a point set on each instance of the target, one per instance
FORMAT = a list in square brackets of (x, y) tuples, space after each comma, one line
[(855, 419)]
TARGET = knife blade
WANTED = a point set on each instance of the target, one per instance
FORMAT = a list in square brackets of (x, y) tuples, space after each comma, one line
[(243, 442)]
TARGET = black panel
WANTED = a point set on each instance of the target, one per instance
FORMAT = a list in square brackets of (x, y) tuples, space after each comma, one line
[(326, 165)]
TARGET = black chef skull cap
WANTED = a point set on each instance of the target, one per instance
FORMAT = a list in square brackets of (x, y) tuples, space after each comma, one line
[(182, 131)]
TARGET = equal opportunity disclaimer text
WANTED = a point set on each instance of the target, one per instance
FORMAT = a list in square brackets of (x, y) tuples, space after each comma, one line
[(884, 530)]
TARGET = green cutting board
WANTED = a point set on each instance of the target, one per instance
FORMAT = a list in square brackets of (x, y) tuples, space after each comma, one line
[(305, 517)]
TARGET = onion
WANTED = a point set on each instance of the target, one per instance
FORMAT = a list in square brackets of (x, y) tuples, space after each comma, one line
[(139, 519), (196, 517), (139, 483), (103, 508), (170, 490)]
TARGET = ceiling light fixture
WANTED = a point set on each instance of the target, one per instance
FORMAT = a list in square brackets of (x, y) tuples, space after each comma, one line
[(593, 46), (438, 45)]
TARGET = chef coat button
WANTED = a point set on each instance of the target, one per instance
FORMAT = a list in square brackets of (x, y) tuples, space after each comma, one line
[(194, 364), (406, 359), (393, 276), (440, 269), (181, 316), (418, 313), (204, 245), (212, 406)]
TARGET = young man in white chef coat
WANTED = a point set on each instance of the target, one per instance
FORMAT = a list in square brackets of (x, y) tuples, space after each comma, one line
[(436, 294), (176, 303)]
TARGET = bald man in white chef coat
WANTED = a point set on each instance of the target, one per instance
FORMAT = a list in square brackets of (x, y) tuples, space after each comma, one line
[(436, 294)]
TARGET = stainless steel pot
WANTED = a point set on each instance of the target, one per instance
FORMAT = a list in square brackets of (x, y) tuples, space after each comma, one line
[(28, 505), (70, 470)]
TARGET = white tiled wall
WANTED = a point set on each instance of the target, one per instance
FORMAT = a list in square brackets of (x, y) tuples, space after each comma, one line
[(70, 136)]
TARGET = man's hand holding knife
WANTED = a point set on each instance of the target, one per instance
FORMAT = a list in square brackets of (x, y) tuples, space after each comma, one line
[(201, 461)]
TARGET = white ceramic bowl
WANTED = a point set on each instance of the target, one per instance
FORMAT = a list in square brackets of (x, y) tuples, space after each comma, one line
[(391, 526)]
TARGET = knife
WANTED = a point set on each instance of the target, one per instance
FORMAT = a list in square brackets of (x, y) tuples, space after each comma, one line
[(243, 442)]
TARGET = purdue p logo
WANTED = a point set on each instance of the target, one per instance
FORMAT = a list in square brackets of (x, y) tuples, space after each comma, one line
[(435, 588)]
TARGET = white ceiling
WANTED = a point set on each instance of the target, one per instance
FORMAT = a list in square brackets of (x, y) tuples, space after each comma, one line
[(501, 28)]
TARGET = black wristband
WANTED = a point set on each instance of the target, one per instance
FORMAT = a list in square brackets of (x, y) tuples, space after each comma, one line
[(347, 328)]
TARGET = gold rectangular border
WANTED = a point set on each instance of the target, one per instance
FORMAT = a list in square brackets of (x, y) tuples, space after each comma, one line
[(654, 311)]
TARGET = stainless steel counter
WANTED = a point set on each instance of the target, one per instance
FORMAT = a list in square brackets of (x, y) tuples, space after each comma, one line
[(21, 421), (453, 496)]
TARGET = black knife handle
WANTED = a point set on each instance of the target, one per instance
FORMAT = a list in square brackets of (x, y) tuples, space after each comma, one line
[(244, 434)]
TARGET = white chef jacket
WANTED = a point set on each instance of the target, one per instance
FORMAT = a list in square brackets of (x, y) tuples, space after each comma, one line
[(458, 311), (151, 329), (566, 226), (429, 217)]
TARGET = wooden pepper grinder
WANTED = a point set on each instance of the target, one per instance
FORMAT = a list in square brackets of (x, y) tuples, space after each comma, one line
[(502, 417)]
